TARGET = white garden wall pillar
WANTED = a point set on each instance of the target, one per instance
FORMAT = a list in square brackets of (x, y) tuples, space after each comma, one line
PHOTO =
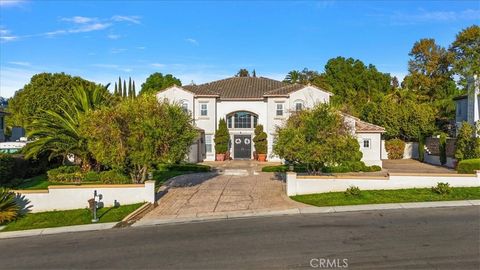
[(291, 183), (150, 189)]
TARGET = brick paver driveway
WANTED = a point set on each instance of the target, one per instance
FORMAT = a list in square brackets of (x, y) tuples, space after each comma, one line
[(210, 194)]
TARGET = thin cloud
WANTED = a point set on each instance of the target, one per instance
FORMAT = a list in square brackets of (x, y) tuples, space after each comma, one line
[(18, 63), (113, 66), (117, 50), (5, 35), (79, 19), (11, 3), (113, 36), (423, 16), (132, 19), (192, 41), (158, 65)]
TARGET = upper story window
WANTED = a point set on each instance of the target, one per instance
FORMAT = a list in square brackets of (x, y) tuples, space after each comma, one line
[(184, 104), (279, 109), (298, 105), (203, 109), (242, 120)]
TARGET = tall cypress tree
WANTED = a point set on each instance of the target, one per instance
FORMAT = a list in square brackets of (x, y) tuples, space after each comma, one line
[(130, 87), (120, 86), (116, 89), (133, 90), (124, 88)]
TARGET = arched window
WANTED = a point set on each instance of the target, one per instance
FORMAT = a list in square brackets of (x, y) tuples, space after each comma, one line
[(242, 120), (299, 105)]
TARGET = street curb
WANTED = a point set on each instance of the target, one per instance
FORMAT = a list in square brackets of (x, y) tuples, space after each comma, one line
[(305, 210), (65, 229)]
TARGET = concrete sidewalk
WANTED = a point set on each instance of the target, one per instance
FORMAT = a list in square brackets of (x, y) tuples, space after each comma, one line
[(304, 210), (65, 229)]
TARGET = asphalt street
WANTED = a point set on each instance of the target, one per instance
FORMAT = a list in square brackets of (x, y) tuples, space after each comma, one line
[(429, 238)]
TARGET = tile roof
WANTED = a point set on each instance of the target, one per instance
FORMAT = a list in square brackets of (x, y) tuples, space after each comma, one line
[(244, 88), (365, 127)]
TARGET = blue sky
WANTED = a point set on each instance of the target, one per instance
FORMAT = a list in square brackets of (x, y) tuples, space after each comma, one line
[(205, 41)]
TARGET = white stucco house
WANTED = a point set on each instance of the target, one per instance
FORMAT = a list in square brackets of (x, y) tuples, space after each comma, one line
[(247, 101), (468, 106)]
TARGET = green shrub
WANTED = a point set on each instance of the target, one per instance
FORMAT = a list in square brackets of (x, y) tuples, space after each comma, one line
[(442, 188), (186, 167), (62, 172), (421, 149), (91, 177), (260, 140), (114, 177), (74, 177), (9, 208), (443, 148), (469, 165), (467, 145), (395, 148), (222, 137), (351, 166), (7, 164), (353, 191)]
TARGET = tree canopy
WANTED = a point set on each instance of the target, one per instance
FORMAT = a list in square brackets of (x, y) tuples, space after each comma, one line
[(44, 92), (317, 137), (137, 134), (243, 73), (466, 50), (157, 82)]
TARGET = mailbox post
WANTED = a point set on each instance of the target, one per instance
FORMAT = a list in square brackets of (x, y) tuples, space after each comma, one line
[(93, 203)]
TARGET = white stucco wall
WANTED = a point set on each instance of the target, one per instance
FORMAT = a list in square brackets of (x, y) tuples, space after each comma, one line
[(76, 197), (310, 95), (371, 155), (176, 95), (297, 185), (410, 151)]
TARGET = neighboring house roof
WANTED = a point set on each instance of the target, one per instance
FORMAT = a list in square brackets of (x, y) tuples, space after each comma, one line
[(365, 127), (244, 88)]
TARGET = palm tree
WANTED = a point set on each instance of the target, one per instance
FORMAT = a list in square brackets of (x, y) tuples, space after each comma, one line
[(293, 77), (58, 134)]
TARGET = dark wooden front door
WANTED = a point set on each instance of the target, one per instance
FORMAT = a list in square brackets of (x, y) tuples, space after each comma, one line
[(242, 146)]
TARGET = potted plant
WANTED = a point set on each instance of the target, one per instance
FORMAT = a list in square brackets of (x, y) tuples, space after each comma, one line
[(260, 142), (221, 140)]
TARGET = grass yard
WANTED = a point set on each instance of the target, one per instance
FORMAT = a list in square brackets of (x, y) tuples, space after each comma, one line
[(388, 196), (166, 172), (69, 217)]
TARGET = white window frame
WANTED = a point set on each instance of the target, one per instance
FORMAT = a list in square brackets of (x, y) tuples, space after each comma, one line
[(208, 142), (203, 111), (279, 110), (368, 141)]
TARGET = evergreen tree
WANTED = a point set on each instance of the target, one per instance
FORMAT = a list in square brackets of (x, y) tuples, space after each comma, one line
[(116, 89), (133, 89), (254, 73), (130, 87), (120, 92), (124, 88)]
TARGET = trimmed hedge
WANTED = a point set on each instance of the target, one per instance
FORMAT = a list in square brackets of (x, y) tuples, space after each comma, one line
[(187, 167), (73, 174), (14, 168), (469, 165), (7, 164), (353, 166)]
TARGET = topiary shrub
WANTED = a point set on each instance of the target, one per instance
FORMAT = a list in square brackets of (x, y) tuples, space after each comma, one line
[(260, 140), (7, 164), (468, 165), (442, 188), (353, 191), (467, 145), (222, 137), (395, 148), (114, 177)]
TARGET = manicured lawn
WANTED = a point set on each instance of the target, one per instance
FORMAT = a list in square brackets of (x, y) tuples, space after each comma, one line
[(166, 172), (70, 217), (388, 196)]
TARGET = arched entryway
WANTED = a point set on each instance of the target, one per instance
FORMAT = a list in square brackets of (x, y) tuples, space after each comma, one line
[(241, 125)]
